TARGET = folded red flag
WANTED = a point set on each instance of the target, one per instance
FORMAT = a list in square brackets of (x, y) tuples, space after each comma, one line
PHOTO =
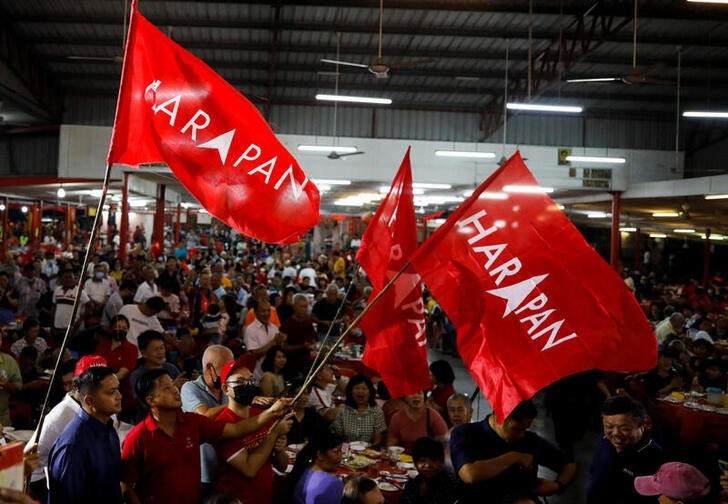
[(531, 299), (395, 325), (173, 108)]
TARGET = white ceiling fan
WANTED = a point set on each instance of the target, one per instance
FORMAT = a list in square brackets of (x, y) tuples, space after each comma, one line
[(379, 68)]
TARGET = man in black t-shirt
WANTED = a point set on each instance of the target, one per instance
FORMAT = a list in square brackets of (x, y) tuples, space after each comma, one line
[(325, 310), (494, 460)]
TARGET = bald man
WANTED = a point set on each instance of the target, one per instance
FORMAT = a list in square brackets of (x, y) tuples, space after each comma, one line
[(204, 396)]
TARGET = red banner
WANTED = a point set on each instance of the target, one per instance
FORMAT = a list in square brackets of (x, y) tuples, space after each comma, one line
[(395, 325), (531, 299), (173, 108)]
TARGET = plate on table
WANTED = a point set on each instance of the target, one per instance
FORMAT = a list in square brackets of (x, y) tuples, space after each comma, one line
[(357, 461), (295, 448), (400, 478), (386, 486)]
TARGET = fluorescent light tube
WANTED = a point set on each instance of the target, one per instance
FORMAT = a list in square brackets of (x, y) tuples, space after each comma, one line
[(628, 229), (354, 99), (428, 185), (681, 230), (596, 159), (597, 215), (326, 148), (658, 235), (465, 154), (716, 196), (527, 189), (596, 79), (665, 214), (706, 114), (331, 182), (533, 107)]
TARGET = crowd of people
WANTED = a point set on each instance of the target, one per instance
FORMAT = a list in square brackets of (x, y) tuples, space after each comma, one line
[(184, 381)]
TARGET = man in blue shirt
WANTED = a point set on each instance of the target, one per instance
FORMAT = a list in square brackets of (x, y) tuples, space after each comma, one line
[(85, 462), (496, 460)]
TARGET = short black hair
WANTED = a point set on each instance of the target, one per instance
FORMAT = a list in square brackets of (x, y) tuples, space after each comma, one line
[(90, 380), (30, 323), (118, 318), (622, 405), (29, 352), (270, 357), (353, 382), (147, 337), (427, 447), (156, 303), (525, 410), (67, 367), (128, 285), (147, 382), (442, 371)]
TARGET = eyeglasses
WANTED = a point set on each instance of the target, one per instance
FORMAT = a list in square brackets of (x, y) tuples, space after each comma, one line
[(241, 382)]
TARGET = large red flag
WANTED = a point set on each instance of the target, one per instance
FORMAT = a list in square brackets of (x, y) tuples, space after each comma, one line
[(531, 300), (395, 325), (173, 108)]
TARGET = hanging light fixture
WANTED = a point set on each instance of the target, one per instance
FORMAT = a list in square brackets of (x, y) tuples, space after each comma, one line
[(61, 192)]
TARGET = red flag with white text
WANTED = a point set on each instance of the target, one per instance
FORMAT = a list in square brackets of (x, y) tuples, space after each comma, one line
[(532, 301), (395, 326), (173, 108)]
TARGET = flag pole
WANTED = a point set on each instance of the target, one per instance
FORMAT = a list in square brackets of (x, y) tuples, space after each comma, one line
[(79, 290), (338, 312), (353, 324)]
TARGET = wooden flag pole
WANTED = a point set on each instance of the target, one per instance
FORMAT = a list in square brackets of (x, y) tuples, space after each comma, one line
[(353, 324)]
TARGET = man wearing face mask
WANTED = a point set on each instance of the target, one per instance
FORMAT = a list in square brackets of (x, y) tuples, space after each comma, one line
[(246, 464), (98, 290), (121, 357), (204, 396)]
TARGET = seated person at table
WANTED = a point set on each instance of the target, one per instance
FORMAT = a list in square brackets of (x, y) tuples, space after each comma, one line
[(313, 480), (496, 459), (272, 383), (414, 421), (246, 463), (434, 484), (442, 377), (663, 379), (359, 489), (624, 452), (459, 409), (359, 419), (325, 387), (306, 423), (154, 356), (712, 375)]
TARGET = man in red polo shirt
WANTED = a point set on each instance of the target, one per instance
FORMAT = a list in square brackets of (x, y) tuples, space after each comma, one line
[(160, 459), (245, 464)]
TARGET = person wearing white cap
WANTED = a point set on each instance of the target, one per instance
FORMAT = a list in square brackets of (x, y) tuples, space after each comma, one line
[(674, 483)]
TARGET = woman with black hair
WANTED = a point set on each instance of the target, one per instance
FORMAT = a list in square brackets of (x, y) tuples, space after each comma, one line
[(359, 419), (312, 479), (272, 383), (307, 424), (442, 377)]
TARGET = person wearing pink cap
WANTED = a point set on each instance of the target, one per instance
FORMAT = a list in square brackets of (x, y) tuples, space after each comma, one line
[(674, 483)]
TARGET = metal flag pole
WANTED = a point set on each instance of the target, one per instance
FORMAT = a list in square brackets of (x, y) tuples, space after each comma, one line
[(79, 290)]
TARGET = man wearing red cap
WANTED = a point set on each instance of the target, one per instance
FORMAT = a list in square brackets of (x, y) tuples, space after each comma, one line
[(674, 483), (160, 459), (59, 418), (246, 464)]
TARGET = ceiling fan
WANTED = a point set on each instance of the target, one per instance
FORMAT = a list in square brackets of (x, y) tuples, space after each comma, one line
[(636, 76), (379, 68), (336, 155)]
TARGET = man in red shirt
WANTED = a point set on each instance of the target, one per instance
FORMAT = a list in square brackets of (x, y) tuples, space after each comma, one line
[(247, 463), (121, 356), (300, 339), (160, 459)]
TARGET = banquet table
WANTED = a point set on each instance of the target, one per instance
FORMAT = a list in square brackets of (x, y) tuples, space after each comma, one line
[(691, 423)]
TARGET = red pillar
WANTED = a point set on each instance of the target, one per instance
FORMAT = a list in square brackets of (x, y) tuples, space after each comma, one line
[(637, 251), (5, 238), (110, 225), (178, 224), (706, 259), (68, 228), (35, 227), (187, 222), (615, 245), (158, 230), (124, 224)]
